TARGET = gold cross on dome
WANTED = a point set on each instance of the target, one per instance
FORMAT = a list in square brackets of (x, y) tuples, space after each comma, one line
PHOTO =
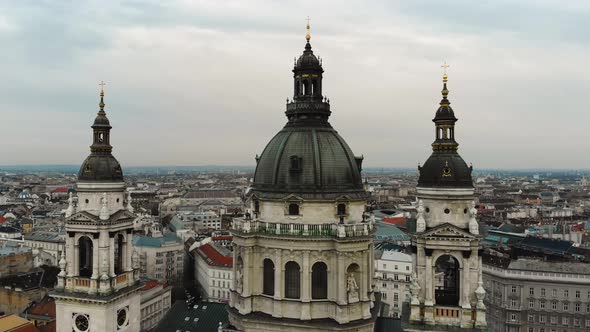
[(102, 84), (308, 34), (444, 67)]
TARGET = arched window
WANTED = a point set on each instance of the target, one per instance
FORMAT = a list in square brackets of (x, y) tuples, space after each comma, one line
[(85, 249), (341, 209), (256, 206), (446, 284), (293, 209), (305, 87), (292, 281), (118, 254), (297, 88), (268, 276), (319, 281)]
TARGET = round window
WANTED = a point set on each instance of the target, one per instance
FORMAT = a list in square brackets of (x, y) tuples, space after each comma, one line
[(81, 322), (447, 211), (122, 317), (427, 210), (87, 201), (465, 211)]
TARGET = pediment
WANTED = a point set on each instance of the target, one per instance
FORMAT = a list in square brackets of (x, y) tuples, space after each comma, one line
[(293, 197), (448, 231), (83, 216)]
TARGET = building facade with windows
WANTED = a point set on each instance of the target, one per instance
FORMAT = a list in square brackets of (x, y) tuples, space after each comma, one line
[(303, 254), (213, 272), (393, 272), (156, 300), (531, 295), (161, 257)]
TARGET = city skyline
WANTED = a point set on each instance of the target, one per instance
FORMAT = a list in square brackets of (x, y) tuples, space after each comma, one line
[(203, 84)]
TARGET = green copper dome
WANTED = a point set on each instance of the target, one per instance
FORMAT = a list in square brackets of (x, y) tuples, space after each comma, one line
[(307, 157), (445, 167), (100, 165)]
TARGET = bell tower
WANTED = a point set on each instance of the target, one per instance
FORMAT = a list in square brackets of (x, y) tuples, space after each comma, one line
[(98, 286), (447, 287)]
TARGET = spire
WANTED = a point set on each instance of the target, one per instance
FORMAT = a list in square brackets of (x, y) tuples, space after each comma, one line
[(308, 29), (101, 104), (445, 91)]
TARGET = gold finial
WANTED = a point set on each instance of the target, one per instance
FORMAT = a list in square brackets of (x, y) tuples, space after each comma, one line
[(102, 84), (308, 35), (101, 104), (444, 67)]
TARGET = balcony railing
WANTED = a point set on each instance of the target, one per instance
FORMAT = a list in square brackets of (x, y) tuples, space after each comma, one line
[(246, 226), (444, 312), (82, 282)]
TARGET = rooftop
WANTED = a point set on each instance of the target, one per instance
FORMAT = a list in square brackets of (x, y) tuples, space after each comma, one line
[(215, 255)]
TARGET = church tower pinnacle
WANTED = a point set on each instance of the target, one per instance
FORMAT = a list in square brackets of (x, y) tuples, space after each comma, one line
[(446, 244), (98, 286)]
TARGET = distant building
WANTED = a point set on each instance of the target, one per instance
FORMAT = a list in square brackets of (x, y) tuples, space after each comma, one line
[(50, 243), (393, 272), (213, 272), (15, 260), (536, 295), (200, 220), (160, 257), (156, 300)]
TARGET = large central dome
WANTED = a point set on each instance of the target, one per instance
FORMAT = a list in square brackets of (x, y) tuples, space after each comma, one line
[(308, 157)]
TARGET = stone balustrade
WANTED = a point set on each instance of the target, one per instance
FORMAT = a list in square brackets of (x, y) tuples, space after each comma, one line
[(334, 229)]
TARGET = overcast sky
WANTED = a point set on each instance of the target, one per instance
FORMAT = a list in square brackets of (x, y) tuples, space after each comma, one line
[(205, 82)]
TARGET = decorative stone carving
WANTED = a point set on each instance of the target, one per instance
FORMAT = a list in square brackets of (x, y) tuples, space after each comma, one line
[(473, 225), (105, 268), (480, 293), (62, 264), (352, 288), (420, 222)]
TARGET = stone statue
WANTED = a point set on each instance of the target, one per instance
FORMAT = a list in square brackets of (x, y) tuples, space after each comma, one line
[(415, 289), (239, 280), (129, 206), (135, 259), (473, 225), (70, 209), (352, 288), (104, 210), (420, 222)]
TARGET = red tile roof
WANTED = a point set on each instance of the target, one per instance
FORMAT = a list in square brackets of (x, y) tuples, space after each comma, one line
[(214, 257), (400, 221), (46, 307), (222, 238), (150, 284)]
